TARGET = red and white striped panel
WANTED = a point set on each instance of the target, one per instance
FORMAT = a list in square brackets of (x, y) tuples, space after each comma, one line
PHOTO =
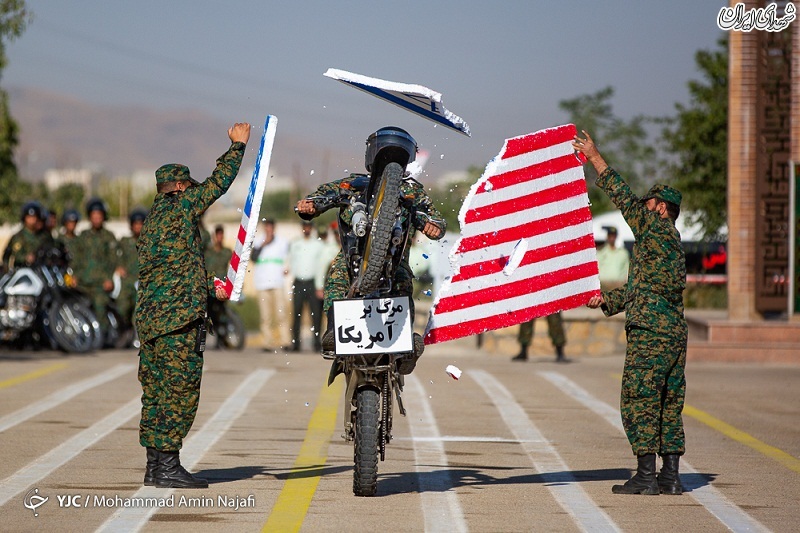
[(531, 200)]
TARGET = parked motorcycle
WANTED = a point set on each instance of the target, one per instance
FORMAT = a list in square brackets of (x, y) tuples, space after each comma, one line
[(37, 307), (226, 324), (373, 326)]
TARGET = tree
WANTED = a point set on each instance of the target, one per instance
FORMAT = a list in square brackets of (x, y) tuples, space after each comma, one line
[(14, 18), (623, 143), (697, 138)]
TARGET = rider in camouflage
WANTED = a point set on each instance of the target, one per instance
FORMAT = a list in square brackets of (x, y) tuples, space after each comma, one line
[(428, 220)]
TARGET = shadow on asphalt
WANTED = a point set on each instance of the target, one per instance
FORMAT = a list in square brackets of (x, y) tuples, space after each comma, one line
[(446, 479), (226, 475)]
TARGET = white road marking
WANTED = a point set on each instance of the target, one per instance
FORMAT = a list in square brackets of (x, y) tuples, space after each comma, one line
[(706, 495), (440, 505), (560, 481), (458, 438), (58, 456), (61, 396), (134, 518)]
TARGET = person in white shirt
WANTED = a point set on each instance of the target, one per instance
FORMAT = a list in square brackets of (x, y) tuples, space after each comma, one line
[(612, 261), (304, 258), (270, 255)]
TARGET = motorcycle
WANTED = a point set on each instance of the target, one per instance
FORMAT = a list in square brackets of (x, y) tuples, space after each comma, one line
[(226, 324), (37, 306), (373, 326)]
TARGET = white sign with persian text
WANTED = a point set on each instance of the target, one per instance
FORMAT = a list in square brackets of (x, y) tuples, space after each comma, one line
[(373, 326)]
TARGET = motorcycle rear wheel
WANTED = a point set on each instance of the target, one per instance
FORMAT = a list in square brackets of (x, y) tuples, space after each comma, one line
[(382, 209), (367, 437)]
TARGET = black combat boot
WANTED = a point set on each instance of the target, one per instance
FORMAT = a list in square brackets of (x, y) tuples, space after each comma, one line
[(329, 338), (522, 355), (407, 364), (150, 469), (669, 482), (560, 355), (644, 481), (170, 473)]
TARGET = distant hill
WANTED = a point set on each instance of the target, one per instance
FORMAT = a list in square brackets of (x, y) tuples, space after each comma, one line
[(59, 131)]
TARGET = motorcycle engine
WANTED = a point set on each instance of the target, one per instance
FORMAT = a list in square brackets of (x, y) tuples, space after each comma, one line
[(19, 312)]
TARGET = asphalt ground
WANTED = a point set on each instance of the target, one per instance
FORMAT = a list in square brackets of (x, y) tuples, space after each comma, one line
[(510, 446)]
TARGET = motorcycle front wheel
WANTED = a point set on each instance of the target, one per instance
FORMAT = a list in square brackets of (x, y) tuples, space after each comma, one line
[(382, 209), (366, 441), (69, 323), (233, 334)]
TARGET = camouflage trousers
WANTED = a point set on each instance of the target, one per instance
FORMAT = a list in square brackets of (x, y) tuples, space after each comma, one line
[(100, 301), (170, 372), (653, 392), (555, 328), (126, 301), (337, 282)]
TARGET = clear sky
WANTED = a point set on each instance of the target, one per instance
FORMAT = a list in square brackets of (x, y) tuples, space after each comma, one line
[(501, 65)]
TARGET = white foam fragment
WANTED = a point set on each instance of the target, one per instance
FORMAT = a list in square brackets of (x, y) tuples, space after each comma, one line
[(516, 257), (453, 371)]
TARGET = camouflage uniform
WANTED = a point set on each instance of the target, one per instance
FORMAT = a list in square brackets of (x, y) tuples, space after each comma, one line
[(96, 257), (653, 381), (172, 299), (555, 328), (129, 260), (338, 283), (23, 244)]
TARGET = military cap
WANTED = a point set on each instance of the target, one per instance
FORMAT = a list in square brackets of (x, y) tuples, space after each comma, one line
[(173, 172), (611, 230), (665, 193)]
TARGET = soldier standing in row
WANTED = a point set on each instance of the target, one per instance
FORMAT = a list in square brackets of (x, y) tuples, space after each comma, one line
[(171, 309), (66, 236), (129, 265), (24, 244), (95, 259), (653, 380)]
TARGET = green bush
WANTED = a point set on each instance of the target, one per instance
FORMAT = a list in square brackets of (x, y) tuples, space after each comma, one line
[(705, 297)]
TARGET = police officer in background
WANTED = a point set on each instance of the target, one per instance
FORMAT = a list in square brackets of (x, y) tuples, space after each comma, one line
[(653, 380), (171, 309)]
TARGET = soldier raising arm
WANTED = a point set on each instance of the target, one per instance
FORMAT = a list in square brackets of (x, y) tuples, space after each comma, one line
[(653, 382), (171, 308)]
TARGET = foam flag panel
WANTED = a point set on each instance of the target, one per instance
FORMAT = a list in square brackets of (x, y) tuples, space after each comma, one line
[(526, 248), (415, 98), (252, 205)]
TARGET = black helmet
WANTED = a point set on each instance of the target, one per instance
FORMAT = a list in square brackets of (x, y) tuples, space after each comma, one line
[(389, 145), (96, 204), (137, 215), (32, 208), (70, 215)]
